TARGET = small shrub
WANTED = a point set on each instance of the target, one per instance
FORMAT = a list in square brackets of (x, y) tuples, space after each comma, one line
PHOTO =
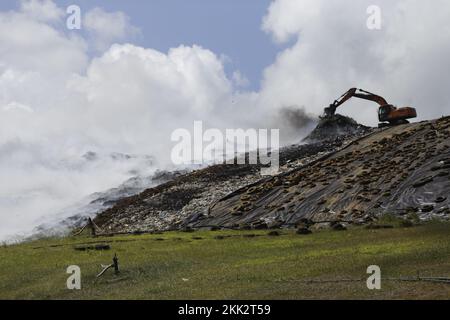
[(406, 224), (413, 217), (394, 221), (303, 231)]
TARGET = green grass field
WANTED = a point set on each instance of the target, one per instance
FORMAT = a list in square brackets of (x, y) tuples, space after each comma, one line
[(240, 265)]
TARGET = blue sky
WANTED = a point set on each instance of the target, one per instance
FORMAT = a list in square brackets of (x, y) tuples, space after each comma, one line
[(231, 27)]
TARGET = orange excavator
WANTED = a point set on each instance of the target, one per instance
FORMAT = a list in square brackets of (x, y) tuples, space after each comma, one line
[(388, 115)]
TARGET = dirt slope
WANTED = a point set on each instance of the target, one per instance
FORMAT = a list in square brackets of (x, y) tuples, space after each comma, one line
[(187, 198), (400, 170)]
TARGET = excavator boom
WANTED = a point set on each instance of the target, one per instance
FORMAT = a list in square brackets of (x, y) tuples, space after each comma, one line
[(371, 96)]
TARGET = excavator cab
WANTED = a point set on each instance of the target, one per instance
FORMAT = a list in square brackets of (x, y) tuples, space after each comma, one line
[(384, 111), (394, 116)]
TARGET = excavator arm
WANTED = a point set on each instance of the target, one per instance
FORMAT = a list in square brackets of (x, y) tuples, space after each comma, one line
[(354, 92), (371, 96)]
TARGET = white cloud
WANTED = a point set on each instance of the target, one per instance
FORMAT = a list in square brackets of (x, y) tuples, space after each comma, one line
[(17, 106), (108, 27), (36, 46), (239, 79), (41, 10), (136, 97), (285, 18)]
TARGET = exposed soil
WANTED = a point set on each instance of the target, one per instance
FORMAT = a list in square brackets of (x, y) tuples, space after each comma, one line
[(401, 170), (187, 198)]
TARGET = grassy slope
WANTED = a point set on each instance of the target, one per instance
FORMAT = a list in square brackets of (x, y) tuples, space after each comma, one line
[(237, 267)]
